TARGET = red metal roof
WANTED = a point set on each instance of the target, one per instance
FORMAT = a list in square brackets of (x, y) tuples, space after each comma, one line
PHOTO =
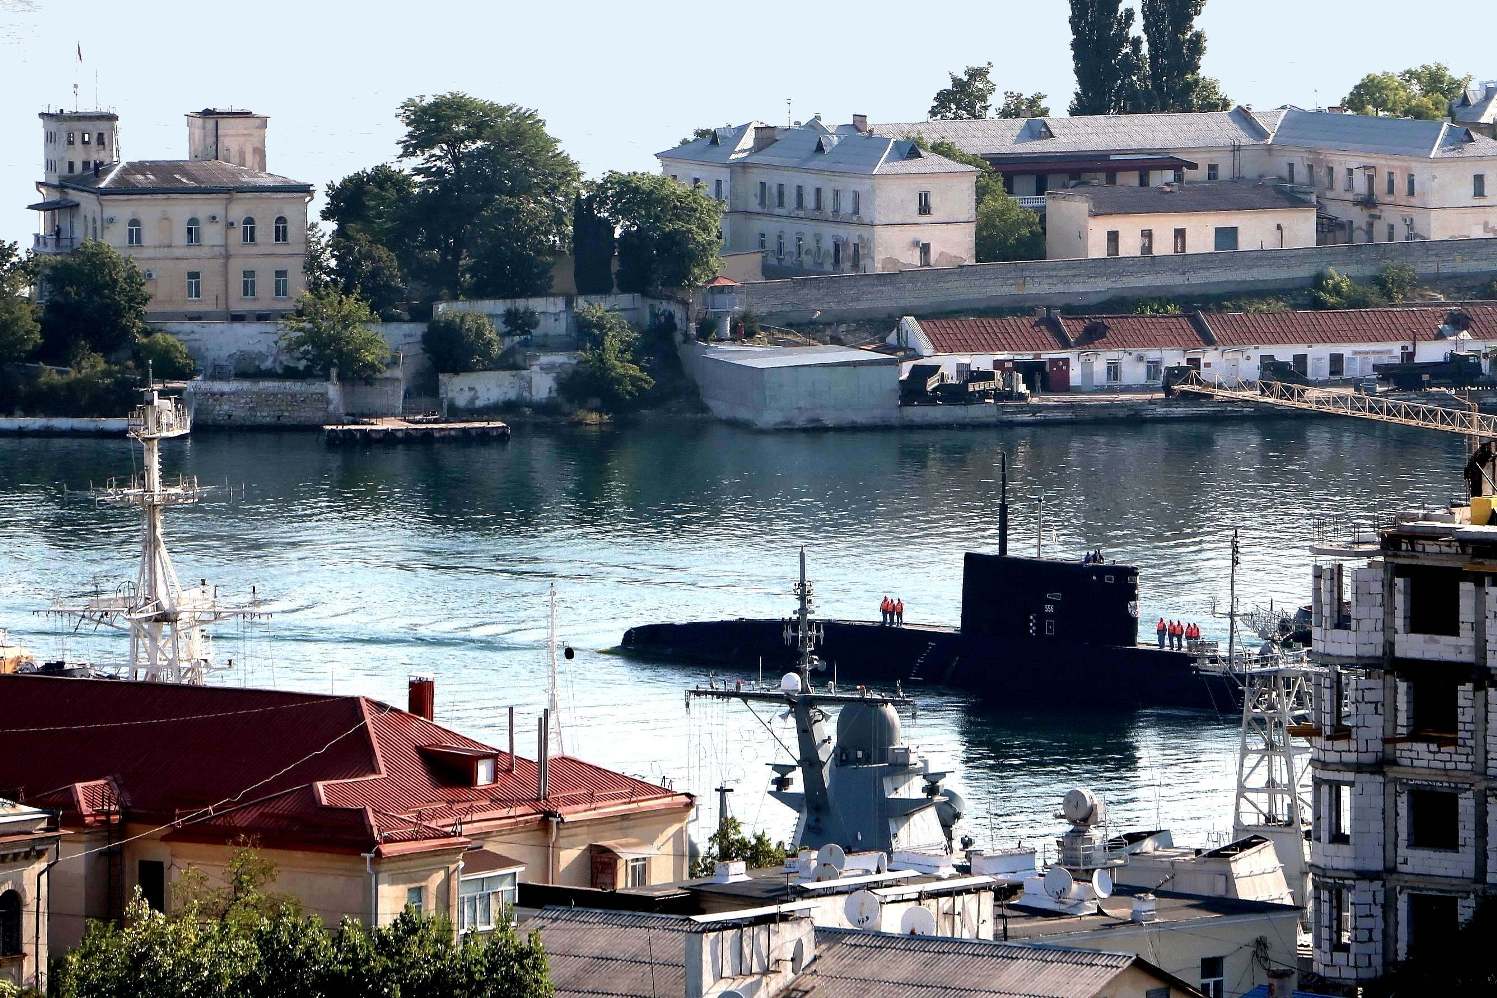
[(1366, 325), (1133, 332), (294, 769), (1012, 334)]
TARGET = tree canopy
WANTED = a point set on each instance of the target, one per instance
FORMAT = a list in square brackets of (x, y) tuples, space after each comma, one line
[(458, 342), (96, 301), (19, 331), (592, 247), (729, 842), (970, 95), (667, 232), (330, 331), (608, 372), (1117, 74), (367, 269), (1017, 104), (1418, 92)]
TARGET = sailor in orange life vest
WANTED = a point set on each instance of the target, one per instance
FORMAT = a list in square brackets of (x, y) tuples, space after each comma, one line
[(885, 610), (1160, 630), (899, 611)]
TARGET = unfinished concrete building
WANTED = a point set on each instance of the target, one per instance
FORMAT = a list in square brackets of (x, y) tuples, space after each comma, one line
[(1403, 734)]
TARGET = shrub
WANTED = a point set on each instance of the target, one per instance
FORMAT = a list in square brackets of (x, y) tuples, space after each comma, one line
[(1397, 281), (330, 331), (458, 342), (608, 369), (520, 321), (1333, 289), (748, 325), (1156, 306), (1488, 290), (707, 328), (165, 356), (93, 389)]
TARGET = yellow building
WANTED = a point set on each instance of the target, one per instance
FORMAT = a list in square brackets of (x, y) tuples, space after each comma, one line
[(216, 236), (27, 838), (364, 809)]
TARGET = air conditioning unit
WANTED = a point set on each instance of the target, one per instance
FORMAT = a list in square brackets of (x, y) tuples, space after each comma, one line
[(212, 218), (150, 275), (1138, 357), (229, 224)]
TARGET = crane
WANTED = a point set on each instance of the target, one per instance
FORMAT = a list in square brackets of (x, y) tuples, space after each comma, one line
[(1478, 428)]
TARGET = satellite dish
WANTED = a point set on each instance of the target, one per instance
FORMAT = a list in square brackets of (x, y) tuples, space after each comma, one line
[(832, 855), (918, 922), (826, 871), (1081, 806), (1058, 882), (1102, 884), (863, 910), (790, 683)]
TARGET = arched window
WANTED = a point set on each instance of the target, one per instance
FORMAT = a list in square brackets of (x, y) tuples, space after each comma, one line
[(132, 232), (194, 232), (247, 229), (10, 923), (282, 230)]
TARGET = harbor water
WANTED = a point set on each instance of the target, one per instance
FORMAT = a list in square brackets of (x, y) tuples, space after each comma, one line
[(381, 563)]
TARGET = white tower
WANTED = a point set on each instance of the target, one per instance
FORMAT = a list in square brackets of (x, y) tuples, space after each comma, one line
[(1273, 766), (73, 141), (165, 622), (229, 135)]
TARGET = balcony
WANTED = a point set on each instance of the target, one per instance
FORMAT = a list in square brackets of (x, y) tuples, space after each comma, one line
[(1033, 203), (54, 244)]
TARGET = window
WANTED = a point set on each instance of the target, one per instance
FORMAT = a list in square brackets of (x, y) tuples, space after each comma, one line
[(414, 896), (717, 188), (637, 873), (1301, 363), (1330, 177), (1310, 174), (1392, 232), (1433, 918), (194, 285), (1226, 237), (483, 773), (1213, 976), (1392, 182), (1143, 178), (1114, 372), (1337, 365), (763, 242), (1434, 819), (779, 246), (763, 194), (281, 232), (1179, 175), (10, 923), (800, 197), (836, 201), (87, 138), (247, 229), (133, 232), (1434, 706), (836, 254), (1434, 603), (1112, 242), (1111, 178), (855, 200), (1213, 171), (283, 290), (779, 195), (70, 138), (194, 232), (1338, 813), (1291, 173), (696, 183), (1479, 185), (1340, 918), (1157, 993), (800, 249), (1410, 189), (1146, 242), (248, 290), (923, 203), (1153, 370), (483, 901), (1179, 240), (150, 877), (925, 254), (816, 200), (101, 139), (857, 257), (1351, 177)]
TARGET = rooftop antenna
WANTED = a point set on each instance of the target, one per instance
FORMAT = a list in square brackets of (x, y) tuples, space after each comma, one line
[(787, 111), (554, 709)]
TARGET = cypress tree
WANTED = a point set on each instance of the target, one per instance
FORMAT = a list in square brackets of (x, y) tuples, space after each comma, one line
[(592, 248)]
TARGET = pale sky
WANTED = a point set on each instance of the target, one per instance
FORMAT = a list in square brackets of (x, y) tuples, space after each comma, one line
[(619, 81)]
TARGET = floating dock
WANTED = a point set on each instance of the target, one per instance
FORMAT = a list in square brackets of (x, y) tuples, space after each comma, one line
[(402, 431)]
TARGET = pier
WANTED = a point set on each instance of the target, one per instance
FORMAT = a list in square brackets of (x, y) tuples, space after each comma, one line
[(403, 431)]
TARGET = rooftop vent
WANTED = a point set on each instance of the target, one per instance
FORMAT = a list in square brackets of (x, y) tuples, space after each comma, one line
[(1145, 909)]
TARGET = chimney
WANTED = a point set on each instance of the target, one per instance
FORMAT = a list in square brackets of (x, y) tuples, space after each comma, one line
[(764, 137), (543, 756), (860, 123), (421, 697), (1282, 982), (1144, 909)]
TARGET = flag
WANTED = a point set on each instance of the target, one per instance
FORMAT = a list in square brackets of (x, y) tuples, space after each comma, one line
[(80, 51)]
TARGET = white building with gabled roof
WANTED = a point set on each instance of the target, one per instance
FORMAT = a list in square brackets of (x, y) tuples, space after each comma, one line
[(816, 200)]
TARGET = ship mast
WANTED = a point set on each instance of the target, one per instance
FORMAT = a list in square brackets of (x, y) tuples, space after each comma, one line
[(166, 623), (551, 700)]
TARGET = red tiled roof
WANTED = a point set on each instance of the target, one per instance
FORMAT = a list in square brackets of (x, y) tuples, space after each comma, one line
[(1013, 334), (296, 769), (1134, 332), (1366, 325)]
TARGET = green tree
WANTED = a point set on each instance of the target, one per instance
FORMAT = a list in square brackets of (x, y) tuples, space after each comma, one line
[(317, 265), (1435, 80), (368, 270), (96, 300), (592, 247), (1101, 32), (969, 96), (520, 321), (1209, 96), (1397, 282), (1378, 93), (608, 372), (1017, 104), (1176, 47), (331, 331), (730, 843), (165, 356), (19, 331), (1418, 92), (376, 202), (492, 199), (458, 342), (1334, 290), (696, 133), (668, 232), (1006, 230)]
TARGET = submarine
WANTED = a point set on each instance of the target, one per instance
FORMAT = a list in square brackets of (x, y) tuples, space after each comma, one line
[(1033, 632)]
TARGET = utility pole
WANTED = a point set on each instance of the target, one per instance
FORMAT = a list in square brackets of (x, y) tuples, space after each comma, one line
[(1232, 602), (554, 710), (722, 820)]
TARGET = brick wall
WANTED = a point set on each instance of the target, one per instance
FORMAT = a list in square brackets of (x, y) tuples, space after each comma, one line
[(1079, 282), (264, 403)]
